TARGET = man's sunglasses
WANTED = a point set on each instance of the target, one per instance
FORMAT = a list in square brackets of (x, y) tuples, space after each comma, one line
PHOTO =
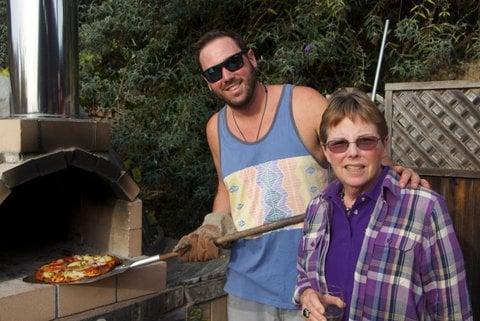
[(363, 143), (232, 63)]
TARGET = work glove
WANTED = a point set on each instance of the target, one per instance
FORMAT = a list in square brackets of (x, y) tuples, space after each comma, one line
[(199, 245)]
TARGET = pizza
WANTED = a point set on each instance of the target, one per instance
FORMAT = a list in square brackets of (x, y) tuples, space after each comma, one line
[(76, 267)]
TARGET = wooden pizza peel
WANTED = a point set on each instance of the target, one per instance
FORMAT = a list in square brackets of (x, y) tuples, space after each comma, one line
[(130, 264)]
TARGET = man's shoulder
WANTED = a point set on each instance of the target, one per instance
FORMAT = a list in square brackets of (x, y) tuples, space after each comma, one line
[(212, 121), (304, 89), (212, 127), (308, 97), (301, 94), (308, 106), (301, 91)]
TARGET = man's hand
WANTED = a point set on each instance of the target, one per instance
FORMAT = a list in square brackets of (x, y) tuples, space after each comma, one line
[(410, 178), (199, 245)]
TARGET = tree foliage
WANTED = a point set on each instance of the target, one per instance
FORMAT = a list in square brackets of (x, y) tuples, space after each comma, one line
[(138, 70)]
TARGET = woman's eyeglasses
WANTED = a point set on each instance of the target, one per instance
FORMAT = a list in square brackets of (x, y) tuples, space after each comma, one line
[(363, 143), (232, 63)]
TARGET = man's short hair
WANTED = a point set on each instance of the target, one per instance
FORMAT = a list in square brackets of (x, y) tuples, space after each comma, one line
[(215, 34)]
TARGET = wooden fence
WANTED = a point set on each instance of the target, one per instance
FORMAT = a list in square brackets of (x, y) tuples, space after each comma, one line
[(435, 129)]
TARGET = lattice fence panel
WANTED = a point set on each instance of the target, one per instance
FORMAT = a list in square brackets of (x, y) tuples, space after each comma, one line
[(436, 130)]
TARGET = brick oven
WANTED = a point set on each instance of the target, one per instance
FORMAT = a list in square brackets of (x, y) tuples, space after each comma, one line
[(62, 189)]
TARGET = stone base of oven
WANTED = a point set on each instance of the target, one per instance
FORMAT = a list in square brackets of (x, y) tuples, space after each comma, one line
[(21, 301), (159, 307)]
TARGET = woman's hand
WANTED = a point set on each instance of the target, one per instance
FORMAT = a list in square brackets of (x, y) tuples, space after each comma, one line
[(410, 177), (314, 304)]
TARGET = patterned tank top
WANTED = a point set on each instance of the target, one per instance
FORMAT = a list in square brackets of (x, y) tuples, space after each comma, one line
[(270, 179)]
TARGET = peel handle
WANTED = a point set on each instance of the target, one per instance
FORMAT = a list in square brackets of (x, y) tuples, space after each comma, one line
[(260, 229)]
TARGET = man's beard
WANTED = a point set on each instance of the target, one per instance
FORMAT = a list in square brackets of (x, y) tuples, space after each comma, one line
[(251, 83)]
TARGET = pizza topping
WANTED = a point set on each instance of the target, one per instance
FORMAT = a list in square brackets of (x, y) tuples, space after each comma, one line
[(74, 264)]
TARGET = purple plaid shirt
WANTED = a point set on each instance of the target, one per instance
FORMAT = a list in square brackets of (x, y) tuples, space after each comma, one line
[(410, 266)]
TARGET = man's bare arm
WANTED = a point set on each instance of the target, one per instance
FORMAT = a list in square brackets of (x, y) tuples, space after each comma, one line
[(308, 106), (221, 202)]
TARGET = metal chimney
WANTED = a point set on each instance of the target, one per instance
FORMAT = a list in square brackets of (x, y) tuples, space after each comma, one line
[(43, 57)]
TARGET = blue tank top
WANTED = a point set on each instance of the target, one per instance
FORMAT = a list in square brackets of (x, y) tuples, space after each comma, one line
[(267, 180)]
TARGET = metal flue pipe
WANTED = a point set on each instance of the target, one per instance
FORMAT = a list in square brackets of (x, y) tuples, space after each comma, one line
[(43, 57)]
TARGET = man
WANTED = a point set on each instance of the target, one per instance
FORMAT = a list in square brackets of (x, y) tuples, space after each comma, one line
[(267, 155)]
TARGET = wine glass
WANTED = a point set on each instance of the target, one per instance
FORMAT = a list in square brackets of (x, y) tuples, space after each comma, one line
[(331, 297)]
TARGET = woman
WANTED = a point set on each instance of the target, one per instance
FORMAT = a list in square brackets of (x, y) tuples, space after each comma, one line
[(392, 250)]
